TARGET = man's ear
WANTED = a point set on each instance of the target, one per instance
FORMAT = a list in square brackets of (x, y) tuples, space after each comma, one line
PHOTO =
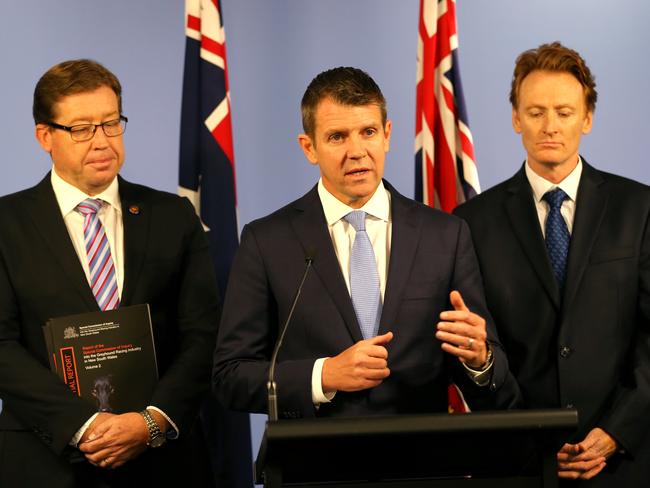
[(516, 124), (588, 122), (308, 147), (43, 135), (387, 132)]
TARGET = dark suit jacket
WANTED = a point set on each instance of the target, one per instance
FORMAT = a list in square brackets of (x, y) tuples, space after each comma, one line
[(590, 347), (166, 264), (431, 254)]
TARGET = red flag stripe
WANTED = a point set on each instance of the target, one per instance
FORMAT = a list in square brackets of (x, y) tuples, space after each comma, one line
[(194, 23), (213, 46)]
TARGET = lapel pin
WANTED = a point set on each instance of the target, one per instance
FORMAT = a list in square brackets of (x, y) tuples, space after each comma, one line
[(134, 209)]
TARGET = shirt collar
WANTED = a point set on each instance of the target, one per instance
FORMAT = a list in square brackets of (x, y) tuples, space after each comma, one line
[(378, 206), (69, 196), (541, 185)]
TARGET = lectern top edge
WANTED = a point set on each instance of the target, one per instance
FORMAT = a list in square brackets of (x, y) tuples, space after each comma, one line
[(531, 420)]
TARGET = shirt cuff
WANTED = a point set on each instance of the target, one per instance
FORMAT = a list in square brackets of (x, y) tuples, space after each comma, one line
[(172, 433), (80, 433), (317, 394), (480, 377)]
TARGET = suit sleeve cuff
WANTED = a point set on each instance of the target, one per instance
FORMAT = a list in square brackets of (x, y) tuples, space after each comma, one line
[(317, 394), (79, 434)]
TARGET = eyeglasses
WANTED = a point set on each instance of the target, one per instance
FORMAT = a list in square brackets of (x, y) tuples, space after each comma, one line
[(85, 132)]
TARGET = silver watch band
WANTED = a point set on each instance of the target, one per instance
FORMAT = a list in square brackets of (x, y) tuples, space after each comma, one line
[(152, 426)]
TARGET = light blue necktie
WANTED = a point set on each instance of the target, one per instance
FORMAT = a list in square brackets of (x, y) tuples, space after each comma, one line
[(364, 279), (557, 234), (100, 262)]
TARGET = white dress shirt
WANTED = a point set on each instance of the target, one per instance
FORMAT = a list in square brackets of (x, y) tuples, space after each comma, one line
[(378, 228), (110, 215), (568, 185)]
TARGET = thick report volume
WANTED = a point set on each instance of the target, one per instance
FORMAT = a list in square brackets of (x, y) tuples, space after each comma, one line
[(108, 358)]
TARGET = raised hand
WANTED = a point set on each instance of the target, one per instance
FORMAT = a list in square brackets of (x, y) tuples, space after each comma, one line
[(463, 333)]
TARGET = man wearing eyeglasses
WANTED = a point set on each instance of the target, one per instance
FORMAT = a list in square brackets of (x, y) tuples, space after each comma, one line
[(154, 251)]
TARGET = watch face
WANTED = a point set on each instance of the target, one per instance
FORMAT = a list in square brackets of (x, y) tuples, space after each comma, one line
[(158, 441)]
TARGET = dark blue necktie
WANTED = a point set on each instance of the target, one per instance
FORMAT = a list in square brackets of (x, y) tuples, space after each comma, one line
[(557, 234)]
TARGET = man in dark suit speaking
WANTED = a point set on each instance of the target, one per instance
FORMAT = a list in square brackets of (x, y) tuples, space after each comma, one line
[(151, 249), (564, 251), (363, 337)]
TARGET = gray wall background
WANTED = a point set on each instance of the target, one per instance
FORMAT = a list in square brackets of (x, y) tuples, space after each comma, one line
[(275, 47)]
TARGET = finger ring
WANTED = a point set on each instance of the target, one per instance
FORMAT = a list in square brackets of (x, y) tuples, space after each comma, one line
[(470, 343)]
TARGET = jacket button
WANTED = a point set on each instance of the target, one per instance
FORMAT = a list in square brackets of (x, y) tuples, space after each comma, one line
[(565, 352)]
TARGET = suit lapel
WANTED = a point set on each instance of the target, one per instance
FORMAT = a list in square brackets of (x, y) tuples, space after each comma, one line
[(136, 216), (590, 208), (521, 211), (43, 209), (404, 240), (311, 230)]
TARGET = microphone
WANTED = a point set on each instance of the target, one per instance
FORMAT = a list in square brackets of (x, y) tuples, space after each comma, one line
[(270, 386)]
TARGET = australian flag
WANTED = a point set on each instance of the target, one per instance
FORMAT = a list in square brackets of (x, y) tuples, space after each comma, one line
[(445, 166), (207, 178)]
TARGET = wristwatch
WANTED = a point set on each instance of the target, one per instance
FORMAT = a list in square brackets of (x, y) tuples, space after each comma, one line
[(489, 360), (156, 437)]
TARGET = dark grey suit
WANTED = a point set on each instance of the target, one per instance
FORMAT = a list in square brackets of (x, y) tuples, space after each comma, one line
[(431, 254), (590, 347), (166, 264)]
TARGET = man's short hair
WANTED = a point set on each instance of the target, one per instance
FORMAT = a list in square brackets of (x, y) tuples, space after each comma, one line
[(554, 57), (70, 78), (344, 85)]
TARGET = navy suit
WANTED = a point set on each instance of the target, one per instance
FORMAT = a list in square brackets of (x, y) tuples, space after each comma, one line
[(587, 348), (431, 254), (166, 264)]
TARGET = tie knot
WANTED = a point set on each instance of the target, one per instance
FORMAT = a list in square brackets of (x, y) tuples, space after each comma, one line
[(555, 198), (357, 218), (89, 206)]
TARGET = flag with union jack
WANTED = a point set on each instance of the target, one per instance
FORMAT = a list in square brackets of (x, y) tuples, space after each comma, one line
[(445, 166), (207, 178), (207, 163)]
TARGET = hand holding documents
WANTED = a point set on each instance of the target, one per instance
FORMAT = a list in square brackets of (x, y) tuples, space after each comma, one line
[(108, 358)]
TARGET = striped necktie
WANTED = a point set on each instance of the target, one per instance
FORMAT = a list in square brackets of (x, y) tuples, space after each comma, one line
[(364, 278), (100, 262)]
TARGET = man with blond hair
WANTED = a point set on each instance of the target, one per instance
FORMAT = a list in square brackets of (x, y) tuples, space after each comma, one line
[(564, 251)]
